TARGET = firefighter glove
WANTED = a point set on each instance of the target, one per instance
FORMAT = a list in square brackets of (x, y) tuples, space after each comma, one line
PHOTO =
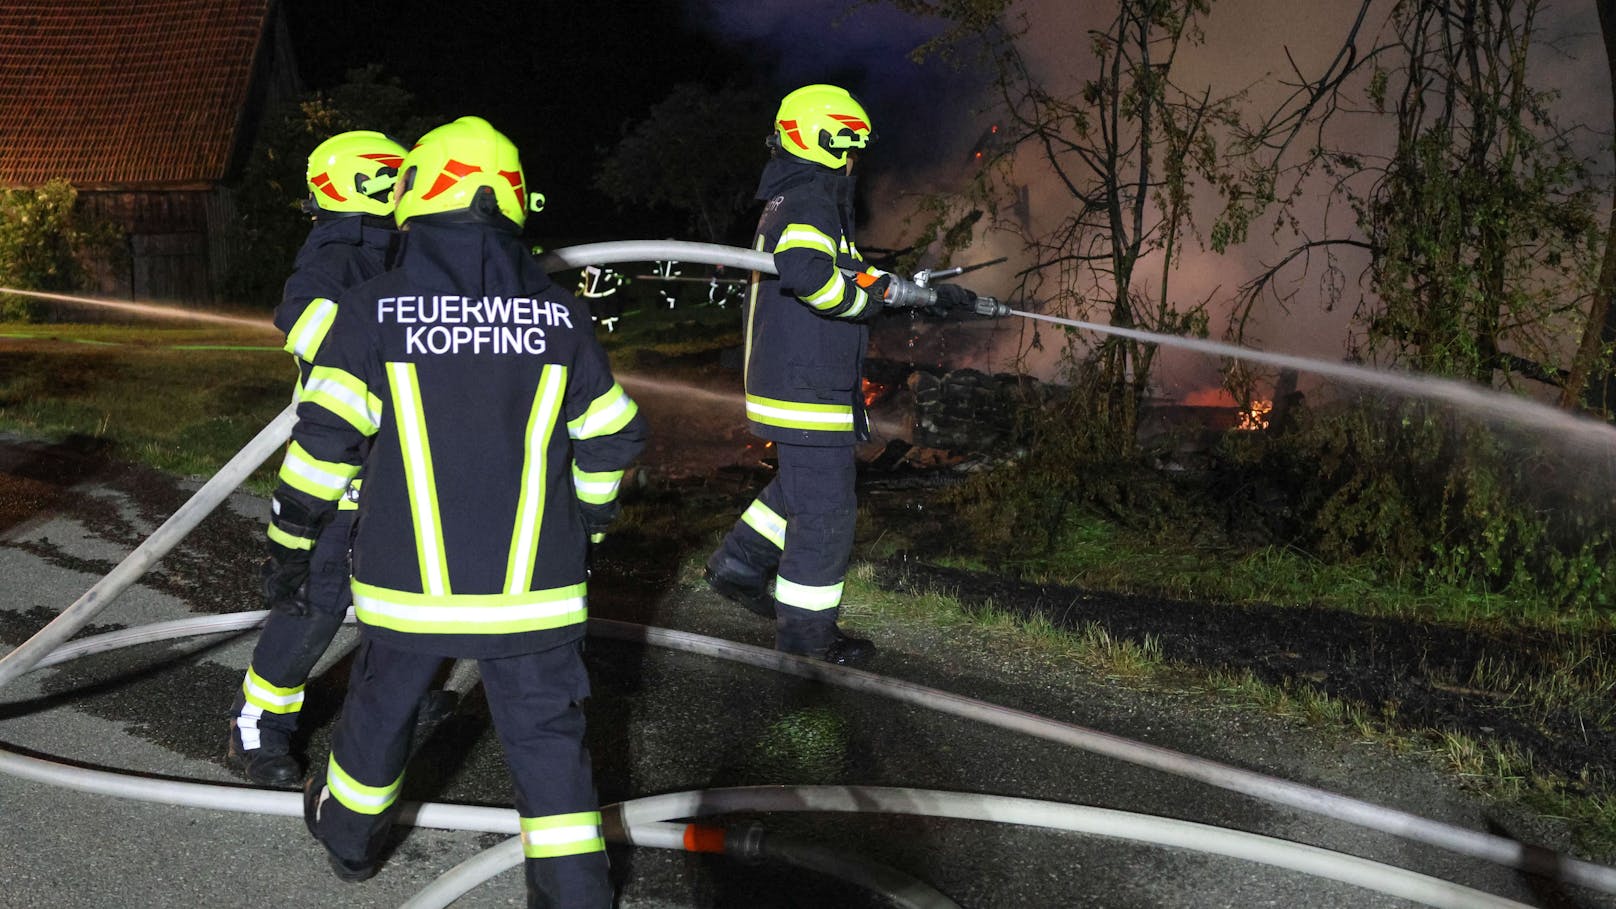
[(876, 291), (284, 575), (284, 579), (599, 516), (953, 296)]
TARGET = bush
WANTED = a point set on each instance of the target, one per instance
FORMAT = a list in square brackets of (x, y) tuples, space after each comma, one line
[(20, 309), (1418, 492), (1406, 490), (1080, 458), (45, 243)]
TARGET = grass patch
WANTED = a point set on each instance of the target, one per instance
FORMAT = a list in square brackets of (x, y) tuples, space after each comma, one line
[(1095, 553), (1297, 701), (169, 398), (647, 335), (1498, 770)]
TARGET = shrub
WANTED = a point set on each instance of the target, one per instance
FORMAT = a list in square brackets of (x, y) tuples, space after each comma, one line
[(45, 243), (1080, 456), (1409, 491), (1419, 492)]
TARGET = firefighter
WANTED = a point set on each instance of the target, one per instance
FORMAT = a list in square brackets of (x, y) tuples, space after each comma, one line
[(805, 342), (350, 180), (498, 439)]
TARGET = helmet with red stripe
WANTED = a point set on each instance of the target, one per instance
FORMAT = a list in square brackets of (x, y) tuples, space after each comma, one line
[(822, 124), (465, 167), (353, 173)]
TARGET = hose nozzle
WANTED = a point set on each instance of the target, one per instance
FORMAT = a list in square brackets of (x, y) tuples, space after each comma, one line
[(990, 307)]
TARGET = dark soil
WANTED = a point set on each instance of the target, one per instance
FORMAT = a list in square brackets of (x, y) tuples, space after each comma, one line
[(1412, 674)]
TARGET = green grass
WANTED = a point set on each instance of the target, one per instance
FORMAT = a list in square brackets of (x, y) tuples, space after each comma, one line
[(149, 391), (1095, 553), (687, 330)]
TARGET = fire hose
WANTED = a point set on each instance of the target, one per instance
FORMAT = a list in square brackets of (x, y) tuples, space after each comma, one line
[(47, 648), (644, 821), (905, 294)]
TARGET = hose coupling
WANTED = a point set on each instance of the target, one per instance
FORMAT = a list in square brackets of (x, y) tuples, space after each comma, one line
[(745, 841)]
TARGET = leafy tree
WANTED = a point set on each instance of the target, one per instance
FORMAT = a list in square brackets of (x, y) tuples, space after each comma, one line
[(1476, 225), (1473, 218), (696, 152), (45, 243), (1481, 217), (270, 224)]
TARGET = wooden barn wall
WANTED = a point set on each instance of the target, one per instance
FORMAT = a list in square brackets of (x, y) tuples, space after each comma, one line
[(174, 243)]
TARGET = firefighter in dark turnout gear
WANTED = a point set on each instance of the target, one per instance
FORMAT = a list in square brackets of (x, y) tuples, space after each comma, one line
[(498, 440), (350, 179), (805, 343)]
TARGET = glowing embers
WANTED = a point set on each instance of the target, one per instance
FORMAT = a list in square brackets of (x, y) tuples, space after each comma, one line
[(873, 391), (1255, 416)]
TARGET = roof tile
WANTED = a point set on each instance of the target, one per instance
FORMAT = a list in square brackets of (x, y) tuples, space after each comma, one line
[(123, 92)]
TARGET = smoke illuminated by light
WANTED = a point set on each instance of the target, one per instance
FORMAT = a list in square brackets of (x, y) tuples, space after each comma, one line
[(1259, 48)]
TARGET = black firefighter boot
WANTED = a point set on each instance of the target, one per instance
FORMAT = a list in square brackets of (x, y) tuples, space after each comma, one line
[(270, 763), (846, 650), (739, 583), (814, 641), (292, 641), (315, 794)]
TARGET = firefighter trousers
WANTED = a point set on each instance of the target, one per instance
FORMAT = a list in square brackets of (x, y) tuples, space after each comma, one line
[(534, 699), (800, 528), (266, 709)]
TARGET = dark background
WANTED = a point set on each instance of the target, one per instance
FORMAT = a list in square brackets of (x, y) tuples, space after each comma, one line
[(563, 80), (560, 79)]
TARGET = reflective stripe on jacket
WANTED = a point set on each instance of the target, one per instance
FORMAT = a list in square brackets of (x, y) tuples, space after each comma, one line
[(492, 413), (805, 334)]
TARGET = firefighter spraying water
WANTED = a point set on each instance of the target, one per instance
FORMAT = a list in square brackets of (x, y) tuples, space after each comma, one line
[(806, 334)]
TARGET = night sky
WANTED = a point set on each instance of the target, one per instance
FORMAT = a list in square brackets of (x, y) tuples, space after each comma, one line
[(562, 79)]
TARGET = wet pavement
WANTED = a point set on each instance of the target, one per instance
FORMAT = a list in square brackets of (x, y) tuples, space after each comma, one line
[(660, 721)]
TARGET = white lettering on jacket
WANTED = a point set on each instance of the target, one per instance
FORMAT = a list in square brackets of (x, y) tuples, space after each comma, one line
[(449, 324), (473, 339)]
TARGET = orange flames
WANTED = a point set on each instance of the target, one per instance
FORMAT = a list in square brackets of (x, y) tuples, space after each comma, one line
[(1256, 416), (873, 392)]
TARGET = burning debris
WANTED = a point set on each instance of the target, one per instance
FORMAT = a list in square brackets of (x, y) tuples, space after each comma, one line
[(1256, 416)]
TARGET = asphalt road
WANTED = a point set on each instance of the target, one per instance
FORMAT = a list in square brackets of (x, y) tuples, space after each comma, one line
[(660, 722)]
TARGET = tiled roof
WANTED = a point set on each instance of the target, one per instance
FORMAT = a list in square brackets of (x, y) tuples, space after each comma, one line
[(123, 93)]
